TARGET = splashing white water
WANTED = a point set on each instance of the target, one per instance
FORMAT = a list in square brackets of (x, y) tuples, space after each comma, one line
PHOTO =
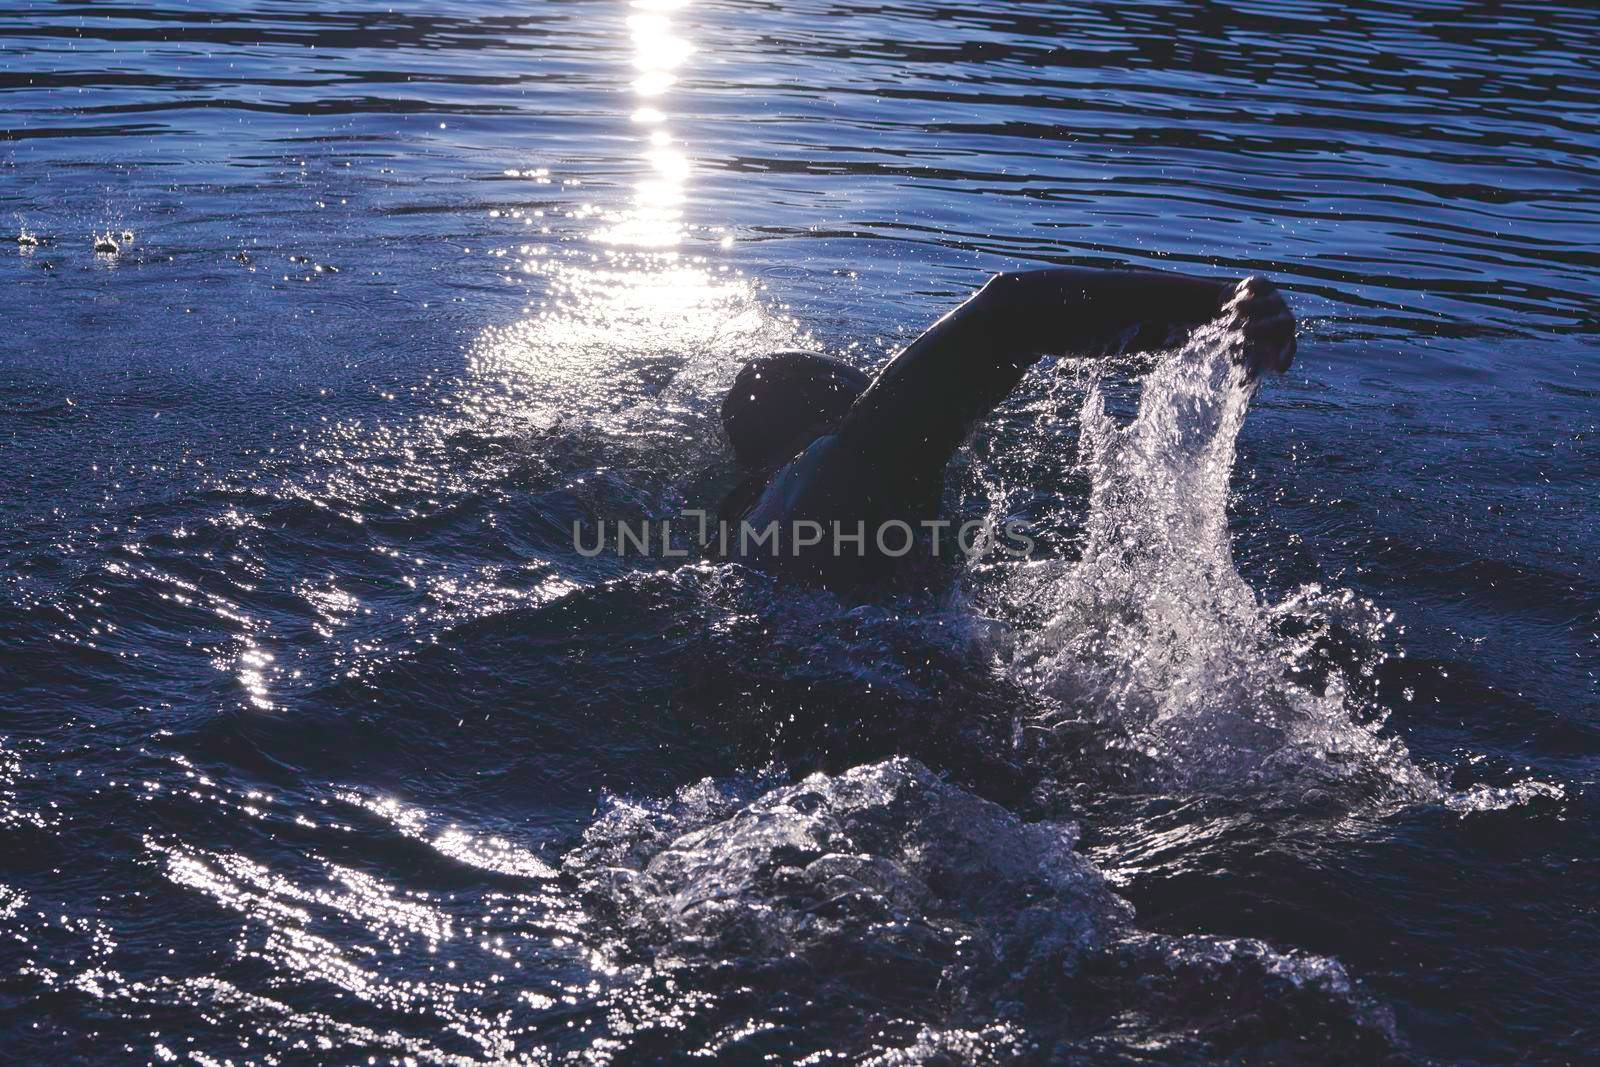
[(1155, 633), (933, 914)]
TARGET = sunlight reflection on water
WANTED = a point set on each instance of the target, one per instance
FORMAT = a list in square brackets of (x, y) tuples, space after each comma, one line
[(656, 217), (615, 325)]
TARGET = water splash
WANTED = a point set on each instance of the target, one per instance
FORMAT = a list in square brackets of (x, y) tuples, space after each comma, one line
[(834, 891), (882, 852), (1154, 633)]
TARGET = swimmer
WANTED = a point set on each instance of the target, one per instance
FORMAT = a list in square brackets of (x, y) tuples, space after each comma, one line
[(818, 442)]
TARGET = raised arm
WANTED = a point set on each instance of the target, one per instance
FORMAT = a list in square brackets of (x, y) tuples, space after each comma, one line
[(923, 404)]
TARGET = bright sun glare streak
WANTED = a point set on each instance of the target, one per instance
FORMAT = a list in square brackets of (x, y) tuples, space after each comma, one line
[(655, 219), (642, 301)]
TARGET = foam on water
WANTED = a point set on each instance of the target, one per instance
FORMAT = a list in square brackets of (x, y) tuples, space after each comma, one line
[(922, 923), (1153, 633), (883, 852)]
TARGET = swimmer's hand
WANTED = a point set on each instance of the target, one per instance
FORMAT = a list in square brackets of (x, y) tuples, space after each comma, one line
[(1257, 311)]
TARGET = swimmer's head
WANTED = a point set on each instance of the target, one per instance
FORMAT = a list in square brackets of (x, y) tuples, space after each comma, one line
[(780, 403)]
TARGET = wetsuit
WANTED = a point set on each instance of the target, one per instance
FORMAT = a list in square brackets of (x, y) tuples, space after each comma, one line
[(822, 443)]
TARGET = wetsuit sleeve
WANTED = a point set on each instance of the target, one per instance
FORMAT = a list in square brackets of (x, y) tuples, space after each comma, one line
[(921, 407)]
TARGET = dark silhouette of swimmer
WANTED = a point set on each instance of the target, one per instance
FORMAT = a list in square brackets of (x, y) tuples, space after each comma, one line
[(825, 446)]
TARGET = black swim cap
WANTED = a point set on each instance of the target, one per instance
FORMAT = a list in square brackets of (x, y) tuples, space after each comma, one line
[(782, 402)]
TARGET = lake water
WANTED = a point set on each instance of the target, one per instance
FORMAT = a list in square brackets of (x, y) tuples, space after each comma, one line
[(320, 743)]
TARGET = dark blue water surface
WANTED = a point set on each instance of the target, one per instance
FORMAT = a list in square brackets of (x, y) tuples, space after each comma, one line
[(320, 743)]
